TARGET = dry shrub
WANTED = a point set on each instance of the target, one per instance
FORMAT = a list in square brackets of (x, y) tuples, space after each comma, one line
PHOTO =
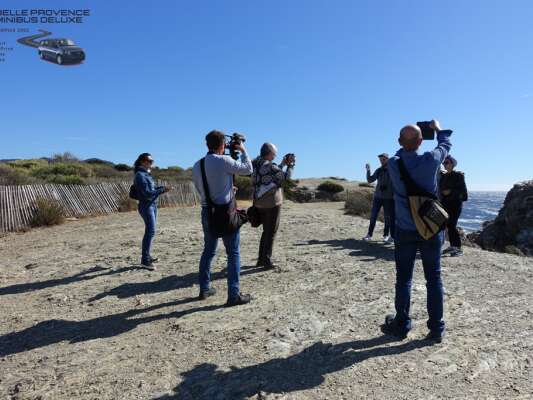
[(48, 212), (330, 187), (126, 203), (366, 184), (359, 202)]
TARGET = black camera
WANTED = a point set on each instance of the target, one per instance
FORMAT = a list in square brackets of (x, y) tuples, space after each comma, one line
[(290, 159), (428, 133), (233, 141)]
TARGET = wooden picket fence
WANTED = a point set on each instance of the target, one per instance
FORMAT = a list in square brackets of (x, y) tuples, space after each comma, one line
[(17, 203)]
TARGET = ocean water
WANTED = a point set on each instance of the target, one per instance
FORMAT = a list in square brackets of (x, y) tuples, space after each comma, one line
[(480, 207)]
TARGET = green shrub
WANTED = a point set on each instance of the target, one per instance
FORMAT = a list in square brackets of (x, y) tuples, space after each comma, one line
[(78, 169), (14, 176), (245, 188), (289, 187), (105, 171), (97, 161), (126, 203), (359, 202), (65, 179), (48, 212), (123, 167), (330, 187)]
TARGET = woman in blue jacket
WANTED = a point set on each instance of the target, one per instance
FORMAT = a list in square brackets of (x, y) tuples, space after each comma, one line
[(147, 194)]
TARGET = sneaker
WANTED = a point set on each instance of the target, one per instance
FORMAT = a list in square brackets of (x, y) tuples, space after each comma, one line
[(204, 294), (456, 253), (238, 300), (367, 238), (148, 265), (390, 240), (386, 238), (435, 336), (390, 327), (449, 250), (260, 263), (268, 265), (154, 260)]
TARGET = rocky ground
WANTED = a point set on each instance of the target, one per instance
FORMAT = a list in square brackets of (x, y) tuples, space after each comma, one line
[(79, 320)]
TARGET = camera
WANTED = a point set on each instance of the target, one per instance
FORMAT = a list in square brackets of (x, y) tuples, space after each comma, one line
[(231, 144), (428, 133), (290, 159)]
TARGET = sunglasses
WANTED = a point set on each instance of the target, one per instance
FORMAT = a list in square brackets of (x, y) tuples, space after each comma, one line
[(150, 161)]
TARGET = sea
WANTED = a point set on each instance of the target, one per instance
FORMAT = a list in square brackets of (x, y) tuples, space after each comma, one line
[(480, 207)]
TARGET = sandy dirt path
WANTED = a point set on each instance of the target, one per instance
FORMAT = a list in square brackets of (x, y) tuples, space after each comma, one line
[(79, 320)]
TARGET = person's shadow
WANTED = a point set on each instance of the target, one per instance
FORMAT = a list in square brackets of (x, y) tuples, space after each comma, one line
[(91, 273), (168, 283), (373, 250), (57, 330), (301, 371)]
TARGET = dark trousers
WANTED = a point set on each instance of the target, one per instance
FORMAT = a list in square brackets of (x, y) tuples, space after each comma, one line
[(388, 213), (407, 243), (454, 209), (270, 221)]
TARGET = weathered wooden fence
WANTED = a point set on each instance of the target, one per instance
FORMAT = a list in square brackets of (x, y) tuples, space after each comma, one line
[(17, 203)]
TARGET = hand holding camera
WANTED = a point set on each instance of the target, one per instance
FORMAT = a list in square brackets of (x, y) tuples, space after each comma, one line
[(429, 128), (289, 160), (367, 166)]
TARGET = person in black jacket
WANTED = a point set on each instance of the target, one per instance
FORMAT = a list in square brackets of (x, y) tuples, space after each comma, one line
[(453, 193), (383, 197)]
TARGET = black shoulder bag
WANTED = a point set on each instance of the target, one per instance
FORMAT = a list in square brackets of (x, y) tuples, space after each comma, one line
[(428, 214), (224, 219)]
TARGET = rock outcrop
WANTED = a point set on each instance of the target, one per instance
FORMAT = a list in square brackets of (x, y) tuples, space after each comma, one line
[(512, 230)]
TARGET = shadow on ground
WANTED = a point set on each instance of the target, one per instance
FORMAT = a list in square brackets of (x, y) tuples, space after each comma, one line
[(88, 274), (372, 250), (57, 330), (165, 284), (301, 371)]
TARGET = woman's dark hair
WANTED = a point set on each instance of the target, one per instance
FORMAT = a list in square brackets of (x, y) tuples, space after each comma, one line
[(142, 157), (214, 140)]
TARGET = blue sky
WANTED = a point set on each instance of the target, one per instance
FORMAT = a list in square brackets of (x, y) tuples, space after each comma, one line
[(332, 81)]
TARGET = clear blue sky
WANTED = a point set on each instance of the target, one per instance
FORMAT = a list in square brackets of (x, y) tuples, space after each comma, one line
[(332, 81)]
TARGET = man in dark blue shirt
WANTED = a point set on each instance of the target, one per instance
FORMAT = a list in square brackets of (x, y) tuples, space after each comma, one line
[(423, 169)]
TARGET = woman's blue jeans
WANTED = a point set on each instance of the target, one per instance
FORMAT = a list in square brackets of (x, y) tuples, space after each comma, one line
[(149, 215)]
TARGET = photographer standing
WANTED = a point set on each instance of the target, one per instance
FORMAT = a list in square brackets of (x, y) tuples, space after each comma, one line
[(147, 193), (383, 197), (267, 179), (412, 172), (453, 193), (219, 170)]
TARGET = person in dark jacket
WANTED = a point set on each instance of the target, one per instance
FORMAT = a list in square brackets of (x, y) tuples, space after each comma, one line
[(453, 193), (147, 193), (383, 197), (268, 178)]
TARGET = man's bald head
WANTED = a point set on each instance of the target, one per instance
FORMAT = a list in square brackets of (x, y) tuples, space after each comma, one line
[(410, 137)]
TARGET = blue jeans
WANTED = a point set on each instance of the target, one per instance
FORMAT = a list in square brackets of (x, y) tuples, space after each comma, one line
[(388, 213), (407, 243), (232, 245), (149, 216)]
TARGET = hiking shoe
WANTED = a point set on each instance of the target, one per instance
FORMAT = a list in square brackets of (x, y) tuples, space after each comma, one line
[(154, 260), (390, 327), (450, 249), (268, 266), (148, 265), (456, 253), (367, 238), (204, 294), (238, 300), (260, 263), (435, 336)]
